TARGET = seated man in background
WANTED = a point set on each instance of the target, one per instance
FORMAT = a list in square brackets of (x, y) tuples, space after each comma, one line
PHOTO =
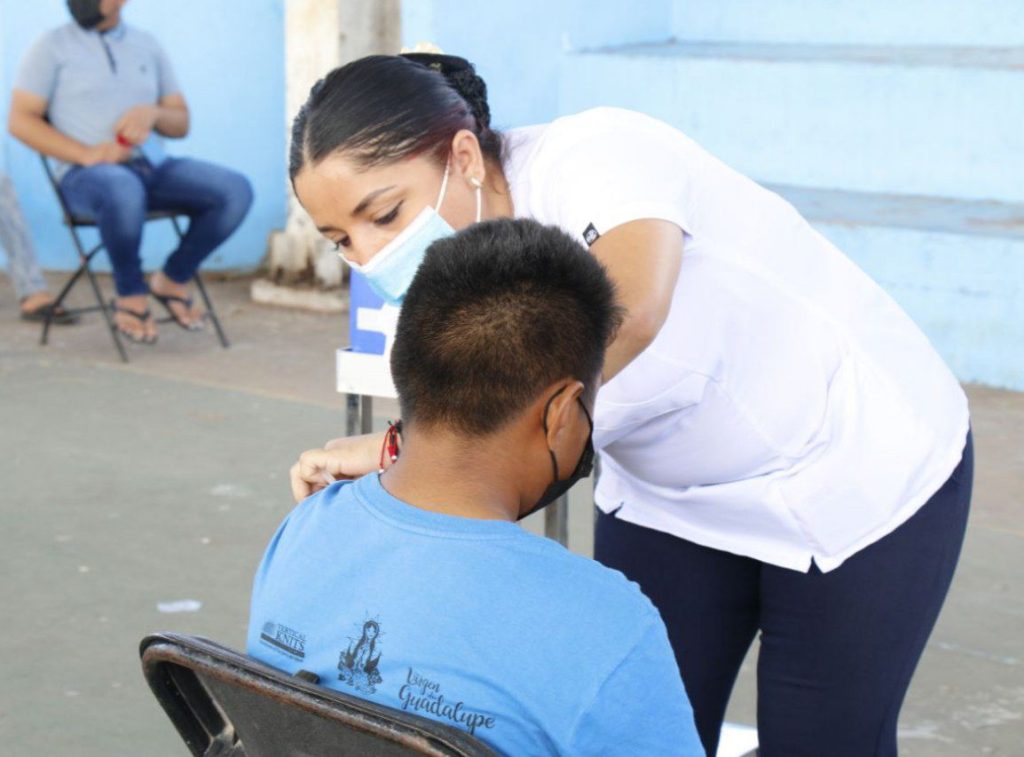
[(29, 284), (416, 588), (91, 94)]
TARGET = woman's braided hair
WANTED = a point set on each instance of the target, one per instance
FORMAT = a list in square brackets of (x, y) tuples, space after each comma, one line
[(385, 107), (462, 76)]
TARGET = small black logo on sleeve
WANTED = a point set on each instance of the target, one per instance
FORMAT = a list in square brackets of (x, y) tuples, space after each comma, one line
[(590, 235)]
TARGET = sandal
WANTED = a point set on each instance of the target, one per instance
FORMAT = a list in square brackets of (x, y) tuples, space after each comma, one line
[(142, 317), (59, 316), (167, 299)]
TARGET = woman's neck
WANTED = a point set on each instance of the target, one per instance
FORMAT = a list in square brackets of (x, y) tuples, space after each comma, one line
[(498, 194)]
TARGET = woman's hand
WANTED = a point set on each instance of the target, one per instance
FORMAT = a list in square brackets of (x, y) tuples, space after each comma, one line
[(347, 457)]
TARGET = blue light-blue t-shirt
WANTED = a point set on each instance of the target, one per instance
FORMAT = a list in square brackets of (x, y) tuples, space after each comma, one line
[(474, 623)]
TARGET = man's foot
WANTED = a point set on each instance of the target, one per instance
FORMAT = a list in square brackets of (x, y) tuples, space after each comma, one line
[(174, 297), (38, 305), (133, 319)]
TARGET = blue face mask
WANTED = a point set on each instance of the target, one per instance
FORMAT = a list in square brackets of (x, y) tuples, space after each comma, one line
[(390, 272)]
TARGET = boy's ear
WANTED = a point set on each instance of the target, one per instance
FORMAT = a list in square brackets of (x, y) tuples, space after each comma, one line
[(561, 410)]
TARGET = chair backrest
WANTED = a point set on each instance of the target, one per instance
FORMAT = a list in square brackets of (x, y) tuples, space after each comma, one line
[(229, 705)]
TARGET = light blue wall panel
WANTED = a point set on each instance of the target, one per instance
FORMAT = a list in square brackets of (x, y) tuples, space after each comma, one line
[(914, 125), (517, 46), (888, 22)]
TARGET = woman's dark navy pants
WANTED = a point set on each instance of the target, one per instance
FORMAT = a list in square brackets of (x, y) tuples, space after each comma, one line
[(838, 649)]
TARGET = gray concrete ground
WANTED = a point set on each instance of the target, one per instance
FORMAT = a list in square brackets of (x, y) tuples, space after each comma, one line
[(124, 486)]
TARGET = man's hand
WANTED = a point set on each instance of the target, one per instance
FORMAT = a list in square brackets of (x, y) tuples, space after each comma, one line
[(137, 123), (104, 152), (345, 458)]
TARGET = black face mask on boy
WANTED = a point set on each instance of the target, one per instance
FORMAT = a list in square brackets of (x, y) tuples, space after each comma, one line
[(583, 468), (86, 13)]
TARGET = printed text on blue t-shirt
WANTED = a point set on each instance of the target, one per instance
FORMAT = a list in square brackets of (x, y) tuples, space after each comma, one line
[(421, 694)]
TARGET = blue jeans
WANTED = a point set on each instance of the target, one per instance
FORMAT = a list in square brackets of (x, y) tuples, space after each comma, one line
[(838, 649), (118, 196)]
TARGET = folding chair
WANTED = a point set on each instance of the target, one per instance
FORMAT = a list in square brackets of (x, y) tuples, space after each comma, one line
[(76, 222), (225, 704)]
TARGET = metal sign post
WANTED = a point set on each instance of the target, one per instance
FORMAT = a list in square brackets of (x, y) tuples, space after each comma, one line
[(358, 414), (556, 520)]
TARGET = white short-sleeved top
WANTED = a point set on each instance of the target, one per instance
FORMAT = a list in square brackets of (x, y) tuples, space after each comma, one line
[(788, 409)]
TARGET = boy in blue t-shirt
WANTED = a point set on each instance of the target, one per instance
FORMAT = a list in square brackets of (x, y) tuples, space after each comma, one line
[(416, 588)]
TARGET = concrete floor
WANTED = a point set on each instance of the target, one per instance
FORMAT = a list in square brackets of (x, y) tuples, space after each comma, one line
[(124, 486)]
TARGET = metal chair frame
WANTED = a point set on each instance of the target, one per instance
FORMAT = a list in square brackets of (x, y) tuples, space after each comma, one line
[(200, 685), (85, 257)]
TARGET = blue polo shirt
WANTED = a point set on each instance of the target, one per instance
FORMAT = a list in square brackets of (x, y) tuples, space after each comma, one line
[(475, 623), (90, 78)]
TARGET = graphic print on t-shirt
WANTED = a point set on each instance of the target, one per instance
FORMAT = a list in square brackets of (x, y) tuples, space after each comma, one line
[(284, 639), (358, 663)]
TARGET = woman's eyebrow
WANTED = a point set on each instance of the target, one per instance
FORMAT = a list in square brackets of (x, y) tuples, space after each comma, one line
[(365, 203)]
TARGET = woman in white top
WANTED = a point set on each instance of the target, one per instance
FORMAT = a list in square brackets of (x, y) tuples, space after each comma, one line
[(782, 450)]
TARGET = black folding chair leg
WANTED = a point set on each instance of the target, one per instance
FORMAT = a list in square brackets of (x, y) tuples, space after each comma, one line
[(108, 316), (57, 303), (213, 313)]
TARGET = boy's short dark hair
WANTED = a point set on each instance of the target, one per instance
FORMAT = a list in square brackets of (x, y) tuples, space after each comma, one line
[(495, 314)]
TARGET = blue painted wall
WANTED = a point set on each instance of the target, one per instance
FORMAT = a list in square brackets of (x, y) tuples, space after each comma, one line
[(910, 98), (960, 23), (229, 58), (517, 46), (824, 117)]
